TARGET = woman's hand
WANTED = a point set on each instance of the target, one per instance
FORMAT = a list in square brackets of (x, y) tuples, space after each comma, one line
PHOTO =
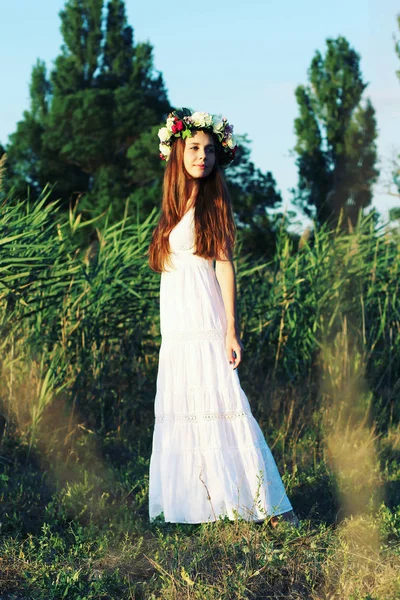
[(234, 349)]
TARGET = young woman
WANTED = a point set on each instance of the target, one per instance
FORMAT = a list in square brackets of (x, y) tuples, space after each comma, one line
[(209, 457)]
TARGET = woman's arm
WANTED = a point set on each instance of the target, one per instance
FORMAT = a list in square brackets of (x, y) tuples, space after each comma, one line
[(225, 273)]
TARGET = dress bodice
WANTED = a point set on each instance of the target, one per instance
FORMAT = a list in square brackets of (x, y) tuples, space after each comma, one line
[(181, 238), (190, 297)]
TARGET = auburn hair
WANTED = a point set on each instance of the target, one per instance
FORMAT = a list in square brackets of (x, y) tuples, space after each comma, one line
[(213, 216)]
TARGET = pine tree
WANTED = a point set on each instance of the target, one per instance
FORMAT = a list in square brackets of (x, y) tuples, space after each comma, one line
[(91, 130), (336, 136), (87, 119), (25, 148), (118, 48)]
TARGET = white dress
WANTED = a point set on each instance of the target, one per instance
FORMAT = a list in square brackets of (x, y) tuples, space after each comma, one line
[(209, 456)]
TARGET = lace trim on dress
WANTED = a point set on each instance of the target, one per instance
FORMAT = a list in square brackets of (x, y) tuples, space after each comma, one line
[(198, 417), (205, 388), (190, 336), (256, 445)]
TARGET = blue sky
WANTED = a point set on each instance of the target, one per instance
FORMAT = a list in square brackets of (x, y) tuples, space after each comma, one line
[(240, 59)]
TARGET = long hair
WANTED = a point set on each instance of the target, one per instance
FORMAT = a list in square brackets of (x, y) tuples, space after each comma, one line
[(213, 217)]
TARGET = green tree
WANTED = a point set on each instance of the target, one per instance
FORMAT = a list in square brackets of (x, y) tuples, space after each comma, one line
[(253, 193), (87, 118), (25, 148), (336, 133), (394, 213)]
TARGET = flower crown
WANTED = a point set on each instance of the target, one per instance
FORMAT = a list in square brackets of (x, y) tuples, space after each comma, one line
[(181, 123)]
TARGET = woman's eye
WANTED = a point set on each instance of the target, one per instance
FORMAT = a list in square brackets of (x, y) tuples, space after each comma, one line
[(209, 150)]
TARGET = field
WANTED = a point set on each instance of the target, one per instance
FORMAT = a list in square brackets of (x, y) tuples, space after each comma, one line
[(320, 324)]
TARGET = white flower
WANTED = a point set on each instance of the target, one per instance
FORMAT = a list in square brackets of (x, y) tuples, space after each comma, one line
[(165, 150), (202, 119), (231, 143), (218, 125), (170, 122), (218, 129), (164, 134)]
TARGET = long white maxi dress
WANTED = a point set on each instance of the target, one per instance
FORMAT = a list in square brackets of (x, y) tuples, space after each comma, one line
[(209, 456)]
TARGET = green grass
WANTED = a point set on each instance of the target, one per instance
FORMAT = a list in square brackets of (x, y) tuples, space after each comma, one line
[(85, 534), (79, 349)]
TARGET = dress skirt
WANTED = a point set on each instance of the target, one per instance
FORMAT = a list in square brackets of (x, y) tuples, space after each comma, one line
[(209, 456)]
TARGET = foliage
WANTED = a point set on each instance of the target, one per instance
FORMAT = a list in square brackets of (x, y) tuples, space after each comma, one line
[(94, 311), (79, 342), (101, 97), (336, 136), (44, 272), (84, 534), (254, 196), (92, 129), (394, 213), (302, 301)]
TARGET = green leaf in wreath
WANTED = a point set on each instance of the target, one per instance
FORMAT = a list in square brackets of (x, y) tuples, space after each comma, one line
[(186, 134)]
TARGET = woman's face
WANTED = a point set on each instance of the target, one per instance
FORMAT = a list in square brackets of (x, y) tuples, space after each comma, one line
[(199, 154)]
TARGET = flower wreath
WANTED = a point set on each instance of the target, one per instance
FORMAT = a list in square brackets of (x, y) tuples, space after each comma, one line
[(181, 123)]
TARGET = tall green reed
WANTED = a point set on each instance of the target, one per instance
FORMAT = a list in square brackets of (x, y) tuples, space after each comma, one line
[(297, 303), (92, 302), (93, 307)]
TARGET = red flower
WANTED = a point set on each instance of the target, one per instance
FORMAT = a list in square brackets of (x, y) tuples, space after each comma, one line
[(177, 126)]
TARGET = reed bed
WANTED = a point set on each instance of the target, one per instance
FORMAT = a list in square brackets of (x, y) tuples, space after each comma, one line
[(79, 335)]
